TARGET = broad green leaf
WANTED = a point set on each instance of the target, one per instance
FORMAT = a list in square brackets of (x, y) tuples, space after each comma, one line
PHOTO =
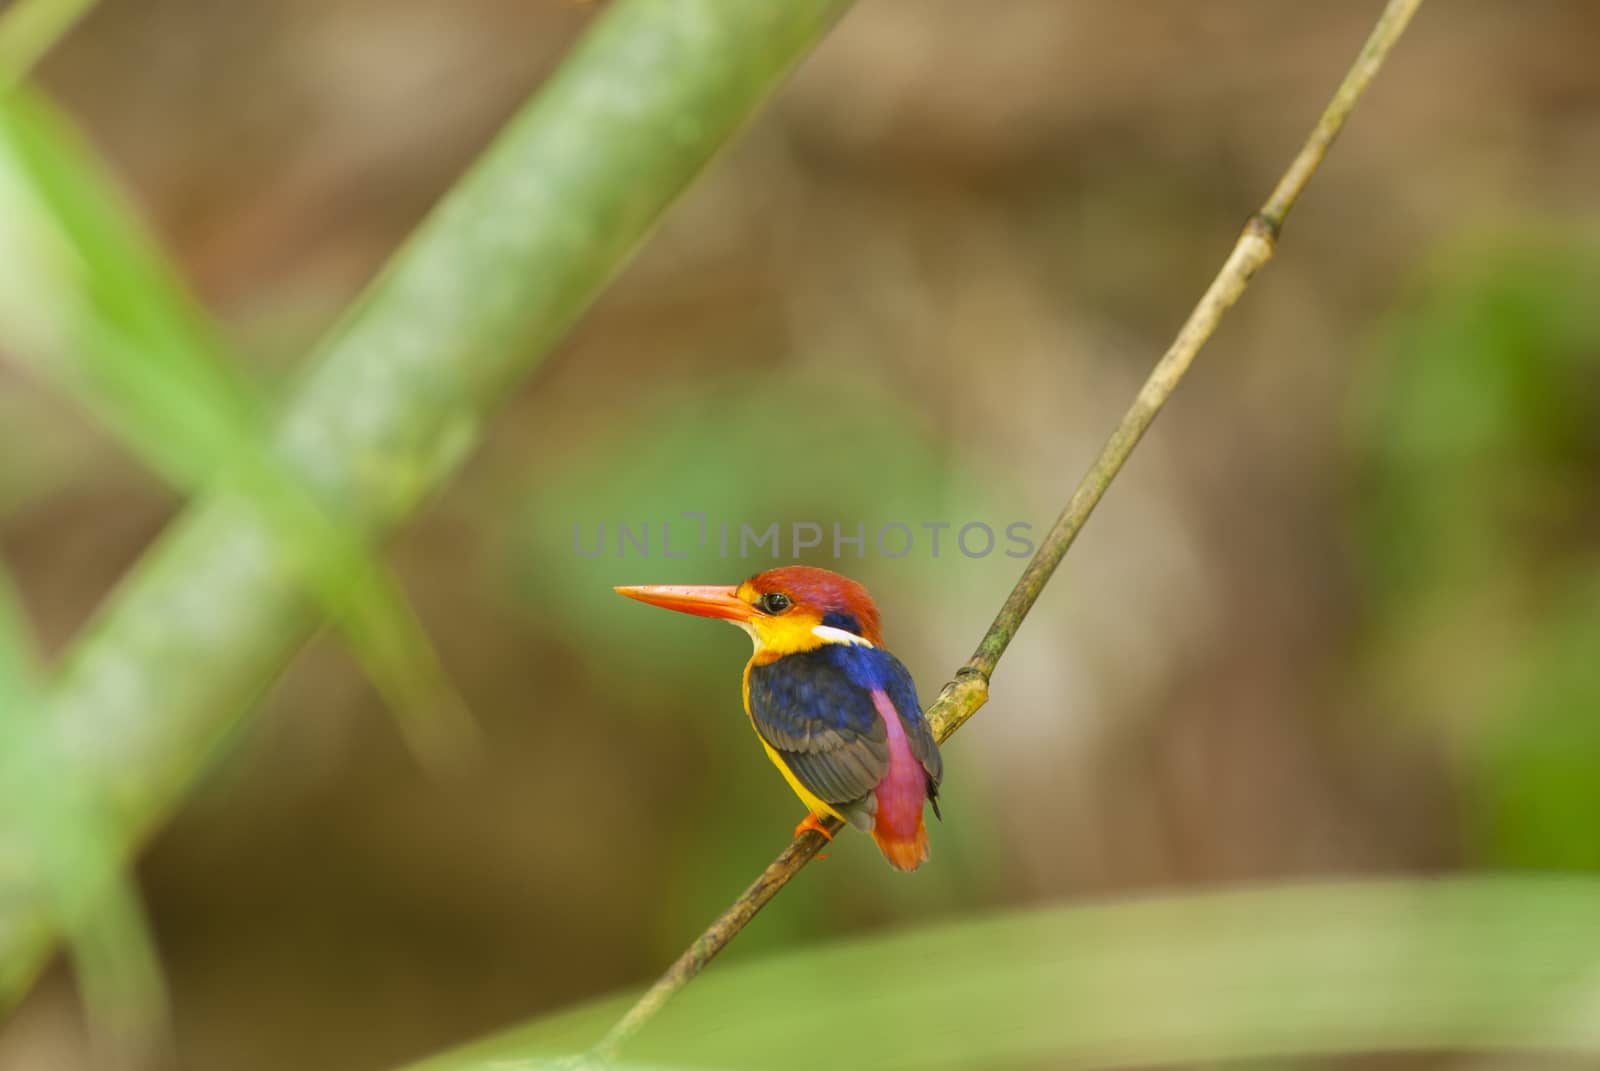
[(400, 391), (89, 302), (69, 852), (1482, 963), (29, 29)]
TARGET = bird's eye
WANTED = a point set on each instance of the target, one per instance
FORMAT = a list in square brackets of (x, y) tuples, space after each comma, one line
[(775, 602)]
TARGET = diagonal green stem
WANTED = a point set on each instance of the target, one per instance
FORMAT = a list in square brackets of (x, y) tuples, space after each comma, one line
[(31, 28), (1252, 251), (962, 697), (398, 395)]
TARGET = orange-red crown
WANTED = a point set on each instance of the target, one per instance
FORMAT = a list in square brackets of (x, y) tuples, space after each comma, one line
[(837, 600)]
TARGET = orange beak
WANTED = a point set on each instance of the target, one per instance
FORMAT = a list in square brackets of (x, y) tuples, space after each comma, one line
[(702, 600)]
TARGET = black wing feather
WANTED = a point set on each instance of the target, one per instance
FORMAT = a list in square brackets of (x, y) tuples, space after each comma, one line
[(822, 724), (815, 709)]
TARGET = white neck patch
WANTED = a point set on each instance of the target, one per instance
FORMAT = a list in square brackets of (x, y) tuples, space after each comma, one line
[(829, 634)]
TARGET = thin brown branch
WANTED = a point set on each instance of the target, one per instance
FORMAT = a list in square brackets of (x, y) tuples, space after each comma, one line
[(962, 697)]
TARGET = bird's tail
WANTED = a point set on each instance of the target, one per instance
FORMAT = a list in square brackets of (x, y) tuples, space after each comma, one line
[(903, 852)]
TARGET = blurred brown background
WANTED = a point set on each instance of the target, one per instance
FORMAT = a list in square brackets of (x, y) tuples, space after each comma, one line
[(921, 287)]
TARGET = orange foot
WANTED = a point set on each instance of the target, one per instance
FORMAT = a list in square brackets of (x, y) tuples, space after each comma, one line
[(814, 824)]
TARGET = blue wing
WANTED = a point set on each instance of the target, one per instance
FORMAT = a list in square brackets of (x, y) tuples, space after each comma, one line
[(815, 710)]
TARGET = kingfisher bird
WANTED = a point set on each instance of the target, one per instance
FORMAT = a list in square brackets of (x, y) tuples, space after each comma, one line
[(837, 714)]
